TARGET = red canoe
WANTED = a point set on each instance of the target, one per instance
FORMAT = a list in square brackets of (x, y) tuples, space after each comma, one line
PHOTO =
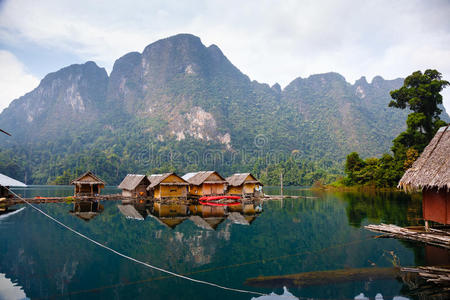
[(218, 203)]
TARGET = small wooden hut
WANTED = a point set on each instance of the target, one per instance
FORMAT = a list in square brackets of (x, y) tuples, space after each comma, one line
[(205, 183), (5, 183), (430, 173), (135, 185), (88, 185), (167, 186), (244, 184)]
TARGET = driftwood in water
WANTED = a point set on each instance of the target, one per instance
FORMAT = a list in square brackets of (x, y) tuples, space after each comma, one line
[(435, 237), (323, 277), (427, 282)]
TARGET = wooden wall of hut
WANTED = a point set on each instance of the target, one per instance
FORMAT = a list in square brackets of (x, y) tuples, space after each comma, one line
[(436, 205), (4, 193)]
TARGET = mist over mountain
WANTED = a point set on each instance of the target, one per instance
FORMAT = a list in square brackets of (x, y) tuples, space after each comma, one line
[(179, 96)]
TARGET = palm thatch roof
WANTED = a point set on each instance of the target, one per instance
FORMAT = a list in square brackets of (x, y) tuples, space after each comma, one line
[(239, 179), (432, 168), (8, 181), (156, 179), (197, 178), (131, 181), (93, 179)]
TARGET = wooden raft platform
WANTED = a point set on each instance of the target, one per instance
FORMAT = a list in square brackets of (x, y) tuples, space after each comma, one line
[(38, 200), (434, 237)]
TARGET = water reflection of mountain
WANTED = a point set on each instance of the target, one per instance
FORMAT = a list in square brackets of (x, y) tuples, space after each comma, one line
[(299, 236)]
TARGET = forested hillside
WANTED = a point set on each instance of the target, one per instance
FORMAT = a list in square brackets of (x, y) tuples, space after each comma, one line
[(181, 106)]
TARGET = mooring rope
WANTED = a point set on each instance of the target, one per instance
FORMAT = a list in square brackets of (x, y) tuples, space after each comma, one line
[(134, 259)]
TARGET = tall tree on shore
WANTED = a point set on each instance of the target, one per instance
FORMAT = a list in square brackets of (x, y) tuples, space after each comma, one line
[(421, 94)]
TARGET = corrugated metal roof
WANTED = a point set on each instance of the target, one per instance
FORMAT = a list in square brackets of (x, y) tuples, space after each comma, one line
[(8, 181)]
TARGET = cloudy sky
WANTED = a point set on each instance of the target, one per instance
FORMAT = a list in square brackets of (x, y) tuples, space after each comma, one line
[(270, 41)]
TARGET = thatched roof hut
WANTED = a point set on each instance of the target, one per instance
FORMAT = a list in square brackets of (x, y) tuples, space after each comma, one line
[(243, 184), (88, 184), (432, 168), (134, 185), (205, 183), (431, 174), (241, 178), (167, 185)]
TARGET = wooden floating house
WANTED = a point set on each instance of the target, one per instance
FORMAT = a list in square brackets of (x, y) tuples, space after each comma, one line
[(430, 173), (244, 184), (135, 186), (205, 183), (5, 183), (167, 186), (88, 185)]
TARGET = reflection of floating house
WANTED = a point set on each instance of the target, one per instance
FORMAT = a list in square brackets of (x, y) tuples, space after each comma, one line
[(431, 174), (5, 183), (88, 185), (134, 185), (244, 184), (205, 183), (170, 215), (167, 186), (86, 210)]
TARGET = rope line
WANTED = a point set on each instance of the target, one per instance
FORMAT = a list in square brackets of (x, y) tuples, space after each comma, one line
[(133, 259), (98, 289)]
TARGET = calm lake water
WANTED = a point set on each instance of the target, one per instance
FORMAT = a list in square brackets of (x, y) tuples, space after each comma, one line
[(39, 259)]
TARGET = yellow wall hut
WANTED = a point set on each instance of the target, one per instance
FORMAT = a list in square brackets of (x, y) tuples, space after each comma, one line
[(205, 183), (168, 186), (244, 184)]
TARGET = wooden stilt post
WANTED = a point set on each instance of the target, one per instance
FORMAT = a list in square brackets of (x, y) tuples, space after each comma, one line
[(281, 187)]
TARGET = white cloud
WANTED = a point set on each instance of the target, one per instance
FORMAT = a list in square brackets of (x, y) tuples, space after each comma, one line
[(15, 81), (271, 41)]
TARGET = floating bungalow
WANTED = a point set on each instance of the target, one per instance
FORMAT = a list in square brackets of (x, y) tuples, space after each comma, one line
[(135, 186), (7, 182), (88, 185), (205, 183), (244, 184), (430, 174), (167, 186)]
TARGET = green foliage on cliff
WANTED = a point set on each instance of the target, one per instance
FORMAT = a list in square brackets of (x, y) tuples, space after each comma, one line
[(421, 94)]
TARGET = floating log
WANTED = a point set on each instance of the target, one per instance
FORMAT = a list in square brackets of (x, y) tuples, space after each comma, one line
[(435, 237), (323, 277)]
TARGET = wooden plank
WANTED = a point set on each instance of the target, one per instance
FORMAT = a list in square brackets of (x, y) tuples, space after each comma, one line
[(433, 238)]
